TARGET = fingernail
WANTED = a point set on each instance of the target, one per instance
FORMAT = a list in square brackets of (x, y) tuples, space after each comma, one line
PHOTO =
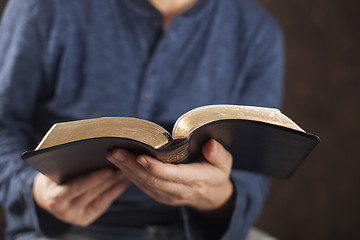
[(119, 156), (214, 148), (107, 174), (142, 161)]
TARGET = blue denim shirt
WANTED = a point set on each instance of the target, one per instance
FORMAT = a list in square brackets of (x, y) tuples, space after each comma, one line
[(68, 60)]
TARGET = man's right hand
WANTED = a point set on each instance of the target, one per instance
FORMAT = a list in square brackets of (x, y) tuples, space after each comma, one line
[(82, 200)]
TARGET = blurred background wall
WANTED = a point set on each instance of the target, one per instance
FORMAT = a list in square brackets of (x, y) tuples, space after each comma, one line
[(322, 94)]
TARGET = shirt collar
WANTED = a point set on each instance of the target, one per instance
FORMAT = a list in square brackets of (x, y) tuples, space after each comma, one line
[(198, 10)]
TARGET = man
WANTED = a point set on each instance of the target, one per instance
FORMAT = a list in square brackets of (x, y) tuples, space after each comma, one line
[(68, 60)]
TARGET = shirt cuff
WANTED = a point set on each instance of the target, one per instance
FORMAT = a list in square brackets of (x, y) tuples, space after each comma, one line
[(45, 223), (250, 191)]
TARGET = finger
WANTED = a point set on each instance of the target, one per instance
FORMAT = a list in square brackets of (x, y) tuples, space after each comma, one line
[(94, 209), (126, 161), (139, 169), (163, 191), (145, 174), (82, 184), (169, 193), (149, 183), (217, 155), (191, 191), (118, 156), (104, 199), (89, 196), (179, 173)]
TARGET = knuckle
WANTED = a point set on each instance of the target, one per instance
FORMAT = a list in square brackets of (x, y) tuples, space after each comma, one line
[(184, 196), (77, 188), (177, 177), (66, 216), (91, 192), (201, 188), (53, 203), (167, 199), (154, 181), (97, 203), (59, 193), (203, 191), (182, 199)]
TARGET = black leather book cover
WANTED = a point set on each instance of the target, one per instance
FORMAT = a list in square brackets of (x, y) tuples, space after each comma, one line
[(256, 146)]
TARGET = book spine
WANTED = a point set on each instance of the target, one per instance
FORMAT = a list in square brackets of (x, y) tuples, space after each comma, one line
[(175, 154)]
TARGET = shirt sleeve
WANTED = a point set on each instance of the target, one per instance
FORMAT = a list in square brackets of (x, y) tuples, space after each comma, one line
[(21, 87), (262, 87), (250, 192)]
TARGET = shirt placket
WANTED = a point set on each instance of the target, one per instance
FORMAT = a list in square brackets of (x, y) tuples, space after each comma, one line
[(151, 79)]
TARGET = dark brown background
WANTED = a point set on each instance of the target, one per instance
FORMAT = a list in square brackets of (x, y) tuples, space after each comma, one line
[(322, 93)]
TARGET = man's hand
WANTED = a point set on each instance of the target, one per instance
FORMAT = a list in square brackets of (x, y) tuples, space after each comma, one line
[(82, 200), (204, 185)]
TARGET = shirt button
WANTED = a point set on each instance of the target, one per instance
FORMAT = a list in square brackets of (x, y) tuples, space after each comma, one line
[(146, 95)]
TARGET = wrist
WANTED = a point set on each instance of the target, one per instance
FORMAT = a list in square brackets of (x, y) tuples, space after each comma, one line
[(219, 217), (216, 200), (223, 199), (226, 194)]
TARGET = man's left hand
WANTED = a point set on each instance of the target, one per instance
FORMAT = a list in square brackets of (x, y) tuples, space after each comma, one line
[(203, 185)]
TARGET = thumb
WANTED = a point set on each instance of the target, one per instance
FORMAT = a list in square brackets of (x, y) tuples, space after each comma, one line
[(217, 155)]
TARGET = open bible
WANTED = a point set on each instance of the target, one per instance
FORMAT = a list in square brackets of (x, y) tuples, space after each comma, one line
[(261, 140)]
